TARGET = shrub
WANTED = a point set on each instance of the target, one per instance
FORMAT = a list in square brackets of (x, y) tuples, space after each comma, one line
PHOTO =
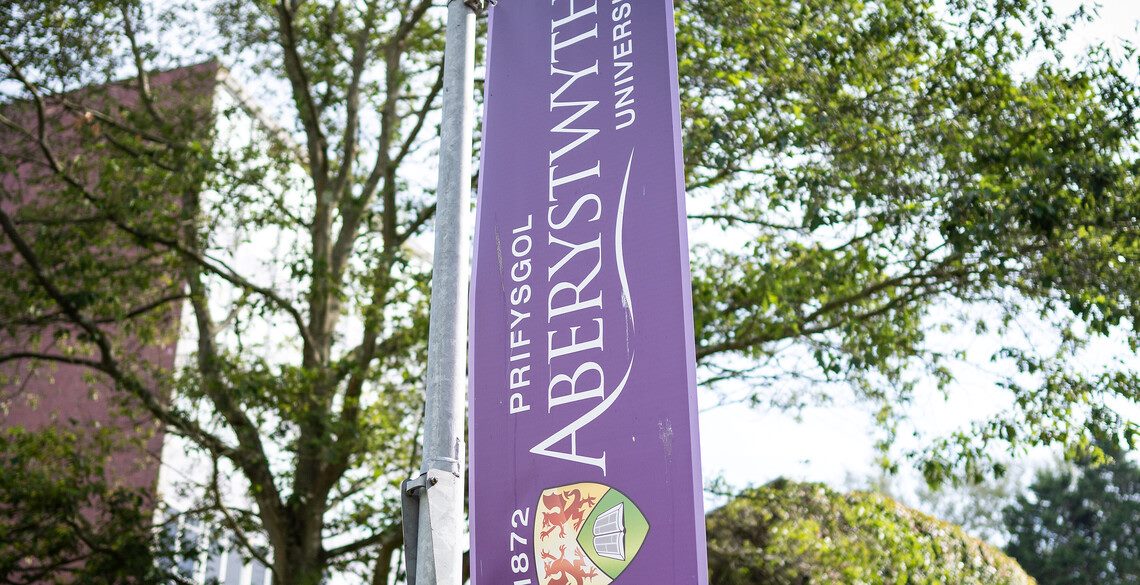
[(803, 533)]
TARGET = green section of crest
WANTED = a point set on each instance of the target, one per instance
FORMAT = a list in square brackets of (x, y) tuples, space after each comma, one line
[(626, 542)]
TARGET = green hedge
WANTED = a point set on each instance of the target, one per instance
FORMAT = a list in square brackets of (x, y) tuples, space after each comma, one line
[(797, 533)]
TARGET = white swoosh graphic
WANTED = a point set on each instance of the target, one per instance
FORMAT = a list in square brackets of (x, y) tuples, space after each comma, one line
[(626, 297), (571, 430)]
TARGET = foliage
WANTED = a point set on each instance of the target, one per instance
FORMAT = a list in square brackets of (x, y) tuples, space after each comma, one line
[(802, 533), (874, 167), (1080, 524), (975, 507), (62, 520), (303, 386), (900, 178)]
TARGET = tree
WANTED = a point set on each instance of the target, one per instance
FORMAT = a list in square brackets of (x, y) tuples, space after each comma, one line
[(61, 521), (1078, 524), (791, 533), (884, 175), (868, 162), (316, 425)]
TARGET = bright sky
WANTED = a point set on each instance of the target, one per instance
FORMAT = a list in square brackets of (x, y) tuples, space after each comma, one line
[(836, 444)]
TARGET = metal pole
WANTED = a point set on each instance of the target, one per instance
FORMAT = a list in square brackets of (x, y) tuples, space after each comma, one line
[(439, 554)]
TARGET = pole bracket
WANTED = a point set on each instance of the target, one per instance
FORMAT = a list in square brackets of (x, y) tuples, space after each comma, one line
[(432, 494), (479, 6)]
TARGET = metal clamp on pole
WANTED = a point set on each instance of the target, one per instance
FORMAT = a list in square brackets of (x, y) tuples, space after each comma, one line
[(432, 496), (479, 6)]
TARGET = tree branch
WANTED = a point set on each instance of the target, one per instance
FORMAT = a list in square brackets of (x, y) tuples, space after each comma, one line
[(229, 519), (215, 267), (106, 362), (414, 227), (303, 97), (254, 465), (388, 536), (731, 219), (385, 165), (131, 314), (421, 118), (917, 284), (49, 357), (251, 458), (140, 68), (352, 101)]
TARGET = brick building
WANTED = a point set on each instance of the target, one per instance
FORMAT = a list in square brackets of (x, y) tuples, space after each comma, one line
[(45, 382)]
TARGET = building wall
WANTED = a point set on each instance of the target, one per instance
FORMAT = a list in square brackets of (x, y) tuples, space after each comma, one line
[(36, 395)]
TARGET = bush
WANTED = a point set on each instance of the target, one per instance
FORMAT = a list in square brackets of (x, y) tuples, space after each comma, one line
[(803, 533)]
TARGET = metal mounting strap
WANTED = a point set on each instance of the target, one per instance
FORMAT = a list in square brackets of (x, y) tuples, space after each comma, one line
[(479, 6), (432, 490)]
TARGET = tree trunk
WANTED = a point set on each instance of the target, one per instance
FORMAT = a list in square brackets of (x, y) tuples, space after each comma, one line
[(295, 570), (299, 561)]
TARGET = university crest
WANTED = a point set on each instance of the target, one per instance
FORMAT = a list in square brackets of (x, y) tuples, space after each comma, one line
[(586, 534)]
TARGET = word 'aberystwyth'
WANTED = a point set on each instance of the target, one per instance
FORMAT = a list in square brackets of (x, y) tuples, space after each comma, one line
[(583, 415)]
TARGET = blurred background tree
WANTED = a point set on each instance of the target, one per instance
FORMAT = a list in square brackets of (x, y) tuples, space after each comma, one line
[(1079, 523)]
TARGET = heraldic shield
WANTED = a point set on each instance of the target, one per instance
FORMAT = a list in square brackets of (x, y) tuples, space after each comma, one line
[(586, 533)]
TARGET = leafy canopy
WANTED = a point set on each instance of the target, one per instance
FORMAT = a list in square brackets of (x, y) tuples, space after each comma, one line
[(896, 179)]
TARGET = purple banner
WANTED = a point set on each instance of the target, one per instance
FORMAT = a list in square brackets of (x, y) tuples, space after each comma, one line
[(585, 465)]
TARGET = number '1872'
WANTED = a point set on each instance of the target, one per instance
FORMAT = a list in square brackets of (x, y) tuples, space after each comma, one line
[(520, 561)]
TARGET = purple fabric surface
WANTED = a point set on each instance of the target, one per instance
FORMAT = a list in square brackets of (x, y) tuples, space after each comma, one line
[(582, 357)]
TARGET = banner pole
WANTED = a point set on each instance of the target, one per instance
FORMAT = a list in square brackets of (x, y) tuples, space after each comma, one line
[(438, 550)]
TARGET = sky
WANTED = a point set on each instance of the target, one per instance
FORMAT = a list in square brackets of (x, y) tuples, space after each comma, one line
[(835, 444), (1116, 20)]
